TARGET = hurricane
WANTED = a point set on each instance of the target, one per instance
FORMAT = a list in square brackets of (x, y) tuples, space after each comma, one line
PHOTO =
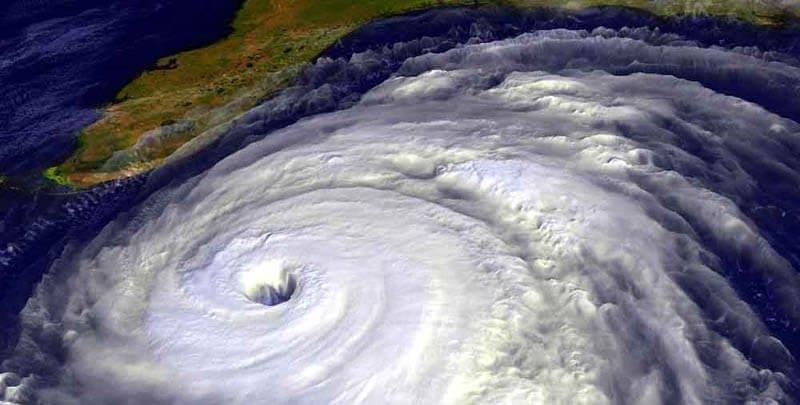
[(561, 215)]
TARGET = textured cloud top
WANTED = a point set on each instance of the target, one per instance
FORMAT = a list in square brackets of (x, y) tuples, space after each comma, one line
[(540, 219)]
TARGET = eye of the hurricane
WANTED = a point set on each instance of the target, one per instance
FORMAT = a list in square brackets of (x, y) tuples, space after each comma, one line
[(271, 283)]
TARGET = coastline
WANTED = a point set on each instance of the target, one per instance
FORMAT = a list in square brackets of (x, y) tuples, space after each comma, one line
[(187, 94)]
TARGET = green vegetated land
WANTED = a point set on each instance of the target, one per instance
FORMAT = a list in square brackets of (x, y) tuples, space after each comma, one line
[(188, 93)]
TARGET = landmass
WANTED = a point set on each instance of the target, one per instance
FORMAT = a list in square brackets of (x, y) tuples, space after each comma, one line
[(186, 94)]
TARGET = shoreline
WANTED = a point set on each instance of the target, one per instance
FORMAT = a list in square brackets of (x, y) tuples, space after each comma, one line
[(121, 143)]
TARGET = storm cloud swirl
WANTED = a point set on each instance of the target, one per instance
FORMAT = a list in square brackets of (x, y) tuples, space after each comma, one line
[(553, 217)]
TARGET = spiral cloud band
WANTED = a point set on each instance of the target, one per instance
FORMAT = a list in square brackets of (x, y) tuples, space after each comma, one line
[(538, 219)]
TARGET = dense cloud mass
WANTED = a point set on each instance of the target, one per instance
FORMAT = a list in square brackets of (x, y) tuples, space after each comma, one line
[(539, 219)]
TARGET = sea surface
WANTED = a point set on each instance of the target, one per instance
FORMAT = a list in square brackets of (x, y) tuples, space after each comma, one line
[(60, 62)]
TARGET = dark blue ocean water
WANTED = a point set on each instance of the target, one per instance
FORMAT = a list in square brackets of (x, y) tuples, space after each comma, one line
[(99, 46), (60, 60)]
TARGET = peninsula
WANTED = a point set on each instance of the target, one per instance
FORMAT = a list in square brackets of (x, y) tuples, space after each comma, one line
[(186, 94)]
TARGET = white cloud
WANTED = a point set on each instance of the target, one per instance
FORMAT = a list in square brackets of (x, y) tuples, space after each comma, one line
[(478, 230)]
